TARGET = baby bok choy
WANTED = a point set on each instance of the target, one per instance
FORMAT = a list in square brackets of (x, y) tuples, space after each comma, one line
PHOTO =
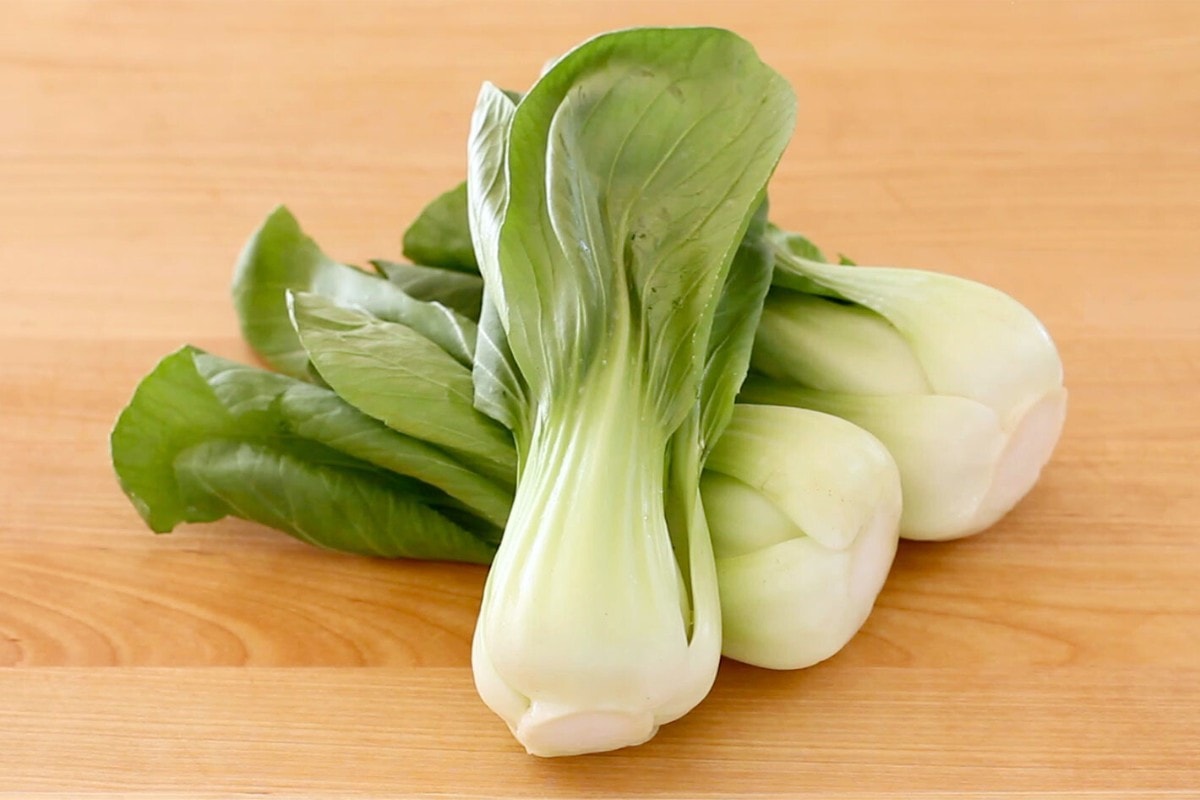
[(606, 207), (959, 380), (803, 509)]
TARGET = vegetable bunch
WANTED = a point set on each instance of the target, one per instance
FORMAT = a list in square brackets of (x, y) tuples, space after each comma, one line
[(550, 387)]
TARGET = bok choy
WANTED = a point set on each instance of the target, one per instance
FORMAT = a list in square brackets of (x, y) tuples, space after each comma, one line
[(960, 381), (606, 208), (803, 509)]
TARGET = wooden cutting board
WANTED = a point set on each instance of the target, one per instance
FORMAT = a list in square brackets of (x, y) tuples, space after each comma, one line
[(1051, 149)]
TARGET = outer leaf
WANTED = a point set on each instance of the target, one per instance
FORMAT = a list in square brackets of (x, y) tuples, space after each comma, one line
[(801, 245), (786, 245), (441, 234), (396, 375), (280, 257), (460, 291), (488, 182), (319, 415), (203, 438), (734, 323), (439, 237), (500, 390), (173, 409), (613, 229), (323, 504)]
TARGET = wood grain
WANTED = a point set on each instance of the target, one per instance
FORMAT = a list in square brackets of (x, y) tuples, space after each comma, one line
[(1051, 149), (814, 733)]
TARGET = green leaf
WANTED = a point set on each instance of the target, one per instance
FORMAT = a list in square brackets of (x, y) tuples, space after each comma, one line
[(459, 291), (322, 504), (440, 237), (280, 257), (734, 323), (396, 375), (319, 415), (172, 409), (500, 389), (792, 249), (203, 438), (633, 164), (800, 245), (787, 247)]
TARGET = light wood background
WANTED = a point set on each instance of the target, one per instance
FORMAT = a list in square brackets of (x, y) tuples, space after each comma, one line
[(1051, 149)]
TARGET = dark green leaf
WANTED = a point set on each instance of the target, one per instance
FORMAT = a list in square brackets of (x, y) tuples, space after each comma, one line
[(500, 390), (203, 438), (732, 339), (634, 165), (322, 504), (798, 244), (439, 237), (460, 291), (317, 414), (396, 375), (280, 257)]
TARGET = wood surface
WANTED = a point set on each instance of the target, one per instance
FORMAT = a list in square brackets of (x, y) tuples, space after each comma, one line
[(1051, 149)]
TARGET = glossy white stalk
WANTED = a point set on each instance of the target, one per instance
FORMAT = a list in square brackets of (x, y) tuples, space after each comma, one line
[(586, 639)]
